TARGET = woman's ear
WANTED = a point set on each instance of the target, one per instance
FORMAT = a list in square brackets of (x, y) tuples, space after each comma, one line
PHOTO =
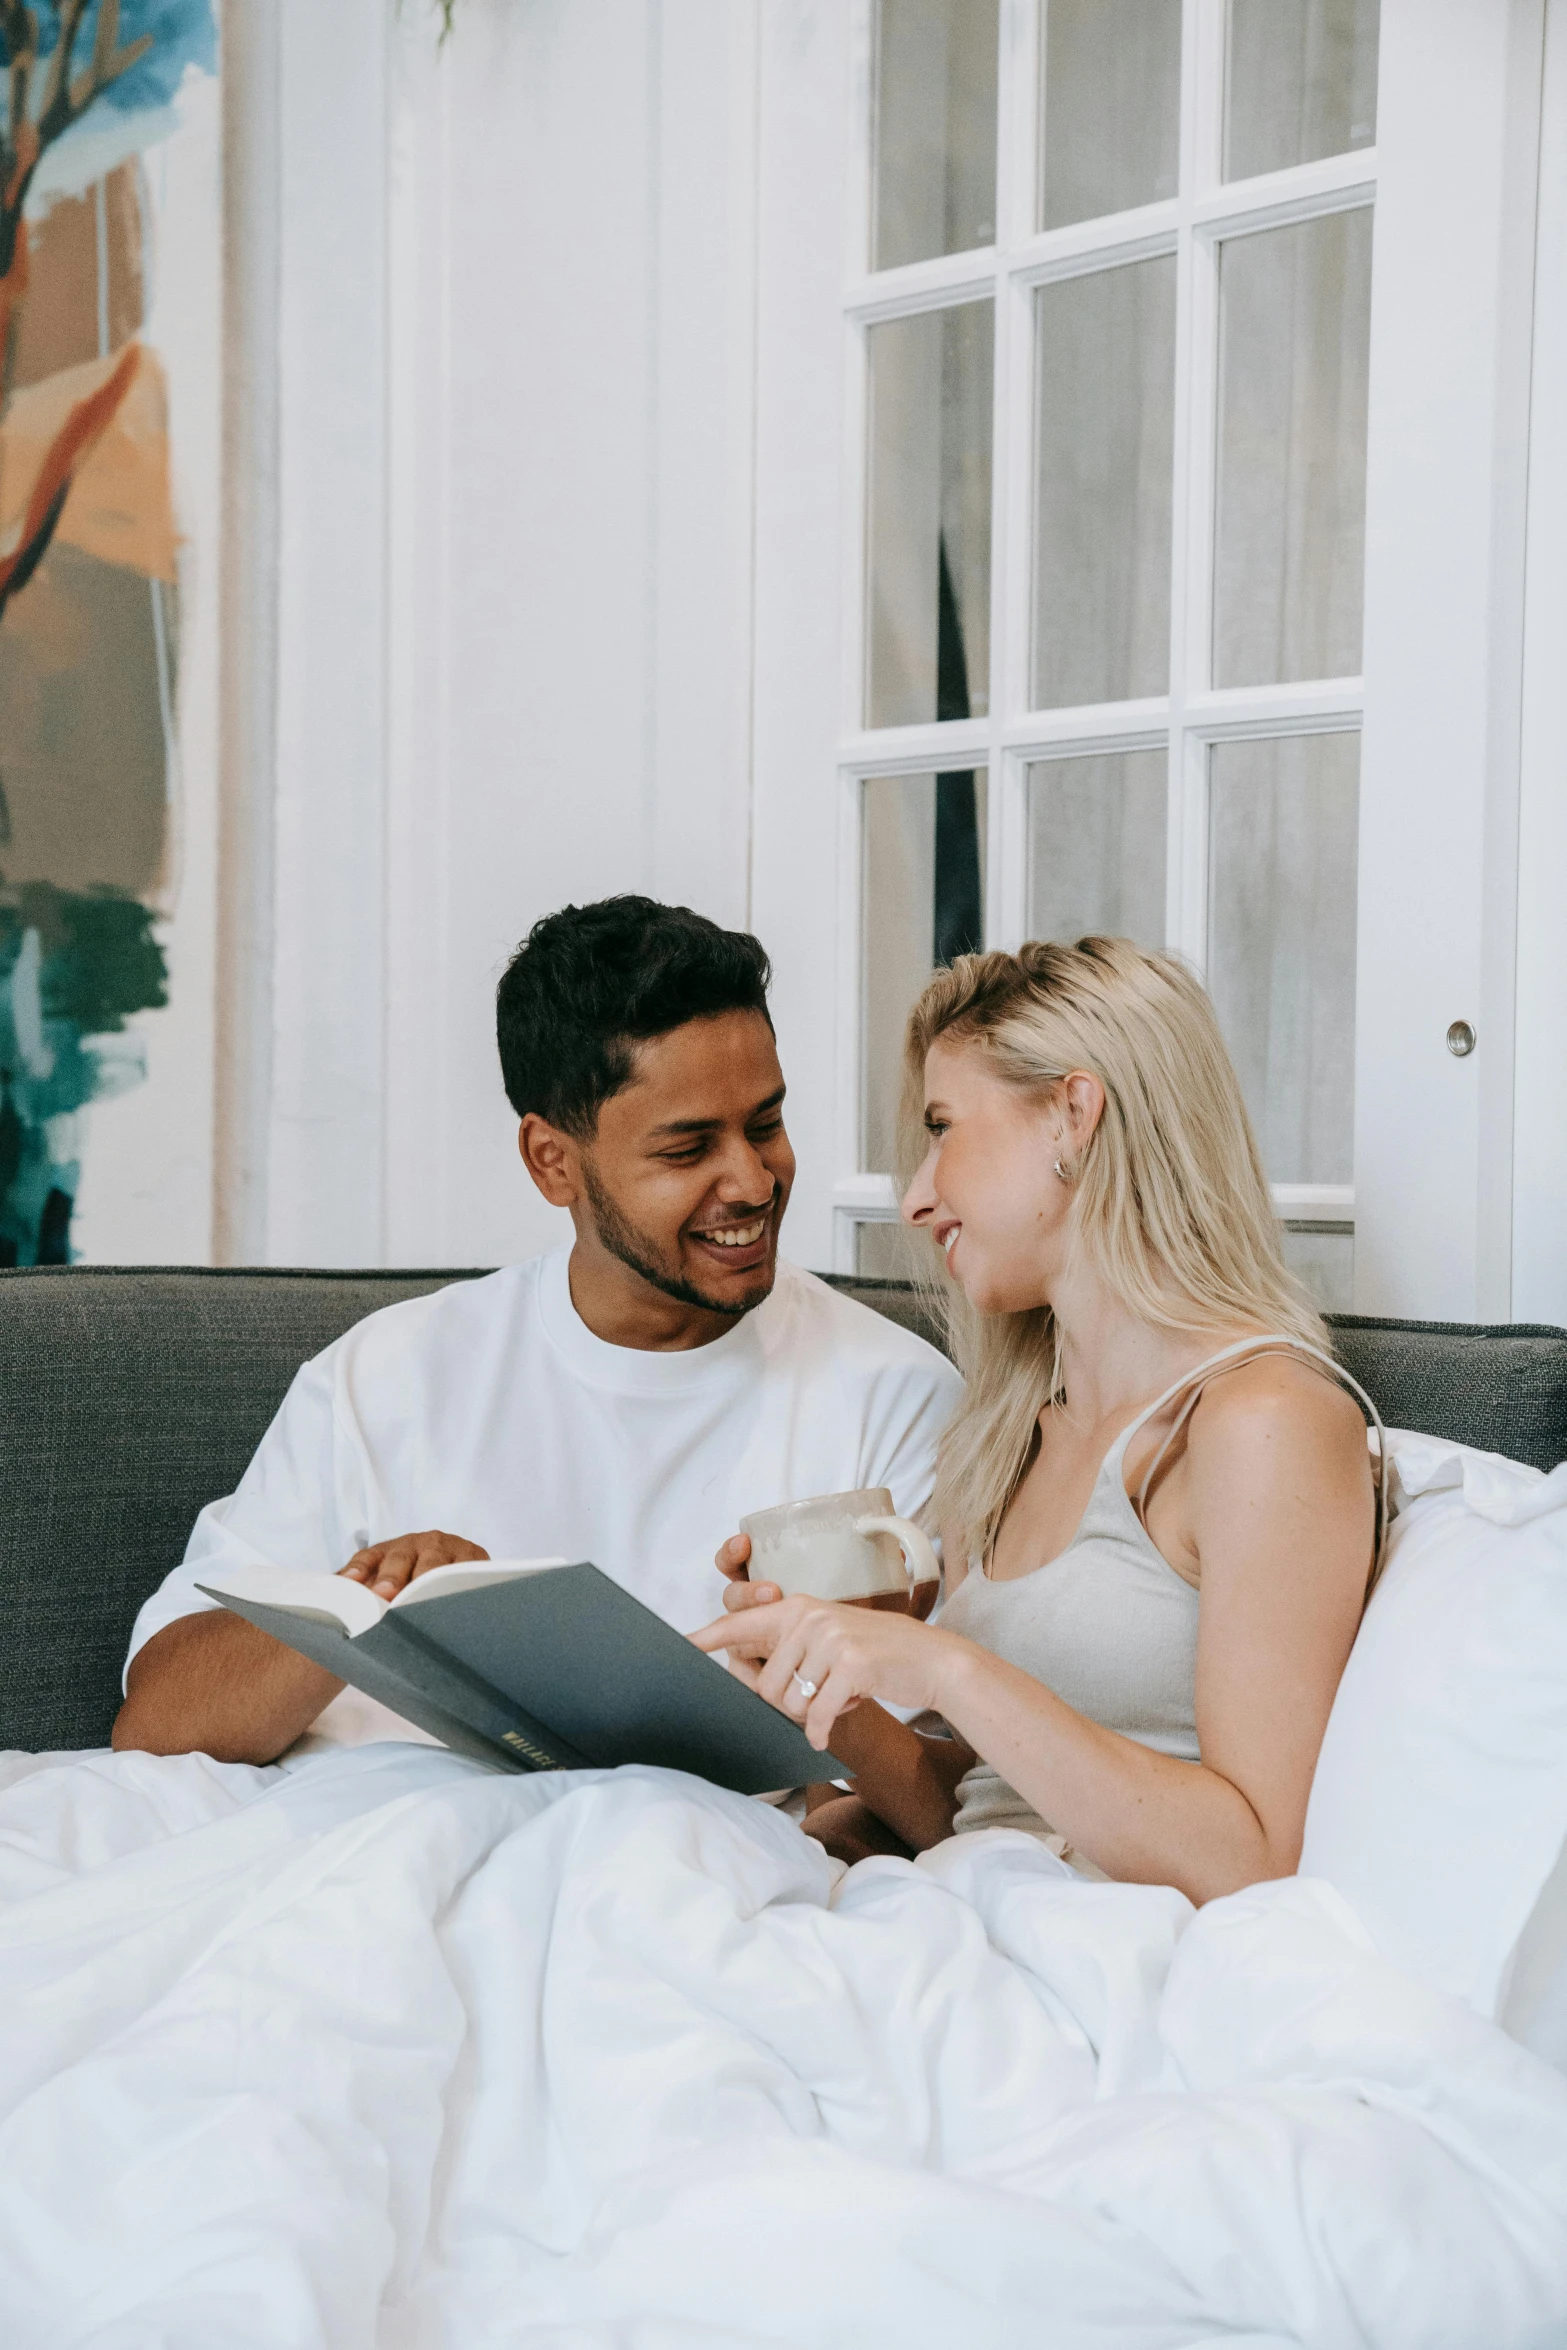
[(1082, 1098)]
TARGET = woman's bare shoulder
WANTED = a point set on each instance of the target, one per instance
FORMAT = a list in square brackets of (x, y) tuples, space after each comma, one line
[(1284, 1403)]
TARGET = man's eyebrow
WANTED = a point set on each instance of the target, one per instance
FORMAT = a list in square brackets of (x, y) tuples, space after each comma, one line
[(712, 1125)]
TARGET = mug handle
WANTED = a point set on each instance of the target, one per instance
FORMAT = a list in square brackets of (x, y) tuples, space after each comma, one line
[(917, 1552)]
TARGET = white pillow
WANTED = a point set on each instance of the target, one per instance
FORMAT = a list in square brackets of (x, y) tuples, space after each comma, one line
[(1439, 1806), (1534, 2005)]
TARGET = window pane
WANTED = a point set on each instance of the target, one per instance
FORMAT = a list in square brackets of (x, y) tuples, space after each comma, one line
[(1322, 1256), (1096, 842), (934, 185), (1289, 555), (1281, 943), (928, 624), (1105, 453), (1112, 106), (1301, 81), (888, 1252), (922, 903)]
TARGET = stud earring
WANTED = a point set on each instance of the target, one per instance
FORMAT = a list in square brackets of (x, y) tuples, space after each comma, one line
[(1062, 1173)]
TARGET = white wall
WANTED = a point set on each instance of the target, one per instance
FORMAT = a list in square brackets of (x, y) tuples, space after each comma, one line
[(516, 367)]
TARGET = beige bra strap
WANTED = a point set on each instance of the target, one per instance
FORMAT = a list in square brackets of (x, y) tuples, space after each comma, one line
[(1231, 1358)]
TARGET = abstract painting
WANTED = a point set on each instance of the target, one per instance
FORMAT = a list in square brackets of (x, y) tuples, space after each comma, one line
[(90, 581)]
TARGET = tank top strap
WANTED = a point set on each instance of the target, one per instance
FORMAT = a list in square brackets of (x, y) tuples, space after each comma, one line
[(1231, 1358)]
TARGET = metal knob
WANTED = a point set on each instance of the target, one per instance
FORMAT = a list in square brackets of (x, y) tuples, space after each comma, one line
[(1460, 1040)]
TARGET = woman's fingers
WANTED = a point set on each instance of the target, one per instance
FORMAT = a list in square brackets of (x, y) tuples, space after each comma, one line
[(837, 1695), (734, 1556), (749, 1631), (739, 1596)]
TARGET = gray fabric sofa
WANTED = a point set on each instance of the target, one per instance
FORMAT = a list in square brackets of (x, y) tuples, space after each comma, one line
[(128, 1398)]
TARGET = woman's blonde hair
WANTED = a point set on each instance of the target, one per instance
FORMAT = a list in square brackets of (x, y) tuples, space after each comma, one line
[(1170, 1204)]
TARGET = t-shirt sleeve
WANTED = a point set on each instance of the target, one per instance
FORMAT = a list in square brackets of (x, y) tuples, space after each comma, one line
[(301, 1503), (912, 1407)]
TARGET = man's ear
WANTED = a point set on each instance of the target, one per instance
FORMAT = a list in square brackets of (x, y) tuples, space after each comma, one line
[(552, 1159)]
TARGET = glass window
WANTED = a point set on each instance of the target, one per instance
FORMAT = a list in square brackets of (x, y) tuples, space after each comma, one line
[(884, 1251), (1111, 106), (934, 180), (1281, 942), (1322, 1258), (928, 624), (1300, 81), (922, 903), (1289, 553), (1096, 846), (1105, 446)]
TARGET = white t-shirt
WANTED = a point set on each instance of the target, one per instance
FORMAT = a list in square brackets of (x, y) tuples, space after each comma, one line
[(491, 1410)]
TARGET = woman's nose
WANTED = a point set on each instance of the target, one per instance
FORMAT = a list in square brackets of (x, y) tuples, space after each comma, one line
[(919, 1200)]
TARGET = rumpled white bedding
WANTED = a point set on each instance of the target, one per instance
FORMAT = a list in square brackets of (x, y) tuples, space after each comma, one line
[(378, 2049)]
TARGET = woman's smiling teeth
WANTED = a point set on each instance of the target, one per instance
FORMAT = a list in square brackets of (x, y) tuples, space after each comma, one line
[(949, 1238), (736, 1235)]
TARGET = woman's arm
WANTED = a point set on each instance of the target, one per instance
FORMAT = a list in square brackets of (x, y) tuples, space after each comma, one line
[(1276, 1502)]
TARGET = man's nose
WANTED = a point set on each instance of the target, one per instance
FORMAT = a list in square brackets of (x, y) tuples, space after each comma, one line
[(744, 1180)]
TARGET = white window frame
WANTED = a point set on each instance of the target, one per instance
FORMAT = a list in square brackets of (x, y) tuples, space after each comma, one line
[(1193, 715), (1439, 774)]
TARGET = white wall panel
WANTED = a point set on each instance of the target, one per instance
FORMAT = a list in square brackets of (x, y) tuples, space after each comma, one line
[(1458, 121), (1540, 1119), (515, 624), (323, 1201)]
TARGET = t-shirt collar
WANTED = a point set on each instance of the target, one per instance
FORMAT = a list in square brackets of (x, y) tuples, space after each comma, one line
[(635, 1370)]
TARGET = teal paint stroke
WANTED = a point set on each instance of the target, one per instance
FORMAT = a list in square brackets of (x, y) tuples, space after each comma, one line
[(138, 109), (74, 966)]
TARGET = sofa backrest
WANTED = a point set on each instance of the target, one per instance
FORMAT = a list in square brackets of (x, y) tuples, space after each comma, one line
[(130, 1397)]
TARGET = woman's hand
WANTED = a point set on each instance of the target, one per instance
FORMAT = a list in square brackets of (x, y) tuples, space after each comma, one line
[(846, 1653), (733, 1561)]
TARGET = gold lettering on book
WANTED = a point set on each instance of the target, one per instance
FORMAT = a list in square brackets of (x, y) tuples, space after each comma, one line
[(525, 1746)]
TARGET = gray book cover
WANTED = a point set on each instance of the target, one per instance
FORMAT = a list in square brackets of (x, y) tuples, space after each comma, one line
[(560, 1669)]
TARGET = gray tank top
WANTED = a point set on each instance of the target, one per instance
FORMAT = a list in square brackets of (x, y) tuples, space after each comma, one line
[(1108, 1624)]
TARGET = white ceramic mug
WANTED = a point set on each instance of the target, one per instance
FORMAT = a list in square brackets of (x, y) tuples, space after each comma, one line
[(848, 1546)]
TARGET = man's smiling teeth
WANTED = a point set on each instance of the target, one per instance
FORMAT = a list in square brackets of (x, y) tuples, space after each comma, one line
[(737, 1235)]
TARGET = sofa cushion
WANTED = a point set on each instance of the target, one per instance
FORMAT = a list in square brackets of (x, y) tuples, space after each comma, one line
[(128, 1400)]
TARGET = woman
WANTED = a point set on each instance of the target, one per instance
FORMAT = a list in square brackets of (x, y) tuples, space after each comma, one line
[(1157, 1503)]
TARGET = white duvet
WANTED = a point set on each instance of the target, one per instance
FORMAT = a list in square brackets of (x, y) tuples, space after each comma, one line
[(379, 2049)]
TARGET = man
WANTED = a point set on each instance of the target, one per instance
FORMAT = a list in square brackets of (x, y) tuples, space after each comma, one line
[(623, 1401)]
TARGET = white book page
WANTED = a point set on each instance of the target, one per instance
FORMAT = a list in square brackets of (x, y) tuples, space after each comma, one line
[(468, 1575), (329, 1598), (335, 1599)]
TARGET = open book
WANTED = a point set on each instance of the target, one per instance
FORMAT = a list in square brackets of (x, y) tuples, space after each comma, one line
[(533, 1665)]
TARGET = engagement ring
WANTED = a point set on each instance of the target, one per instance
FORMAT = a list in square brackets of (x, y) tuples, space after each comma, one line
[(807, 1689)]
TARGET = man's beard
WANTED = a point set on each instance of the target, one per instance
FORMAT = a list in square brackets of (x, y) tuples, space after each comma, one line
[(634, 1249)]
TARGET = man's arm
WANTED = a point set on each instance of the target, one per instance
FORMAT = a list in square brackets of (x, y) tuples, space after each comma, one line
[(213, 1684)]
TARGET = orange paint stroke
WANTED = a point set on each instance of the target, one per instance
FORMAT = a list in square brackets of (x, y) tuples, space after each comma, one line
[(103, 428)]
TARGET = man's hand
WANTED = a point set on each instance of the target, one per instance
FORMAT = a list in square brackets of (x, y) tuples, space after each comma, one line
[(213, 1684), (388, 1566)]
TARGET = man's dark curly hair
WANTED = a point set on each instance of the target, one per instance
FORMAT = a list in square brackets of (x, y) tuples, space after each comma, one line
[(589, 983)]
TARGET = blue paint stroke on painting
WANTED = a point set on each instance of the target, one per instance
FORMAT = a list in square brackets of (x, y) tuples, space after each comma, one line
[(74, 965), (138, 109), (184, 33)]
